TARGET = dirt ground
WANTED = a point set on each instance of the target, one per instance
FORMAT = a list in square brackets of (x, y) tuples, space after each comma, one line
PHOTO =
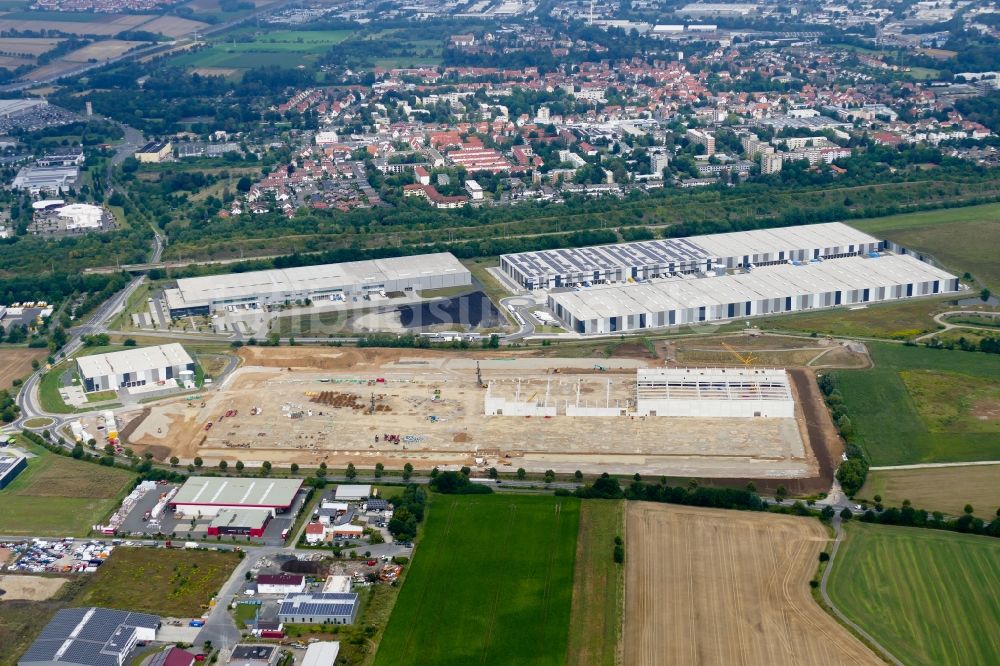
[(101, 50), (96, 27), (173, 26), (29, 588), (214, 71), (15, 362), (27, 46), (707, 586), (315, 406)]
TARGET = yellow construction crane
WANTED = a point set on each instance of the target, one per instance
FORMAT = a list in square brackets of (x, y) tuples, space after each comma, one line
[(748, 360)]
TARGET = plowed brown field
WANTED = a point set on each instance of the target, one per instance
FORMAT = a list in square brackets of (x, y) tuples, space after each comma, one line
[(707, 586)]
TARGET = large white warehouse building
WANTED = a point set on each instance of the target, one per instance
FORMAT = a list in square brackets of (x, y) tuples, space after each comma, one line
[(778, 289), (547, 269), (336, 282), (137, 367)]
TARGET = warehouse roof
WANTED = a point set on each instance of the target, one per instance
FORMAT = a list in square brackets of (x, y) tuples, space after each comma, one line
[(203, 290), (133, 360), (347, 491), (279, 579), (216, 491), (323, 653), (153, 147), (694, 249), (773, 282), (241, 518), (87, 636), (7, 463), (319, 604)]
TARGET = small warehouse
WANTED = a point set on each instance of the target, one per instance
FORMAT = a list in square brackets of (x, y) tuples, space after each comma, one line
[(10, 467), (254, 655), (281, 584), (323, 653), (319, 608), (159, 366), (240, 522), (352, 493), (155, 152), (204, 496)]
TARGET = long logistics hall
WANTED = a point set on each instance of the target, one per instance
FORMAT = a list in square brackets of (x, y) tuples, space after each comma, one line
[(334, 282), (625, 262), (778, 289)]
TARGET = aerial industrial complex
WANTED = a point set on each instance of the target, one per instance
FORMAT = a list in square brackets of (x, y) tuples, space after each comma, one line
[(344, 282), (629, 262), (719, 277), (136, 368)]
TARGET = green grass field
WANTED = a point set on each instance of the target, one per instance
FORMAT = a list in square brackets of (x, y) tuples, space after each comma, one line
[(945, 489), (59, 496), (960, 238), (900, 320), (598, 586), (173, 583), (930, 597), (286, 48), (897, 427), (491, 583)]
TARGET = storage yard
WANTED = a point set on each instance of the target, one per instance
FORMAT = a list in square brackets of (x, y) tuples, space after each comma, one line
[(717, 587), (428, 408)]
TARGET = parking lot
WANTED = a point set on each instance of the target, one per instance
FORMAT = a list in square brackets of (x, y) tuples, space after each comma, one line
[(55, 555)]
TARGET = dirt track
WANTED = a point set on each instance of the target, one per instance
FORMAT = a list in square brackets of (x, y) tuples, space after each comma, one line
[(707, 586)]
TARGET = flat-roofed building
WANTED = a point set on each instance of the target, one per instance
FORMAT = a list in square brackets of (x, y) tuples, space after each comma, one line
[(203, 496), (319, 608), (155, 152), (323, 653), (240, 522), (626, 262), (90, 637), (254, 655), (10, 467), (714, 392), (281, 584), (46, 179), (774, 290), (331, 282), (347, 492), (138, 367)]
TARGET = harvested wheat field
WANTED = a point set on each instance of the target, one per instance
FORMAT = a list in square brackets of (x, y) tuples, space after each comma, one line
[(29, 588), (15, 363), (708, 586)]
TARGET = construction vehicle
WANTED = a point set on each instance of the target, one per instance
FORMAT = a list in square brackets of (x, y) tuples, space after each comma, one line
[(748, 360)]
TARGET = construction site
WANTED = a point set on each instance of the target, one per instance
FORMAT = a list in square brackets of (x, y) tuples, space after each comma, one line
[(429, 409)]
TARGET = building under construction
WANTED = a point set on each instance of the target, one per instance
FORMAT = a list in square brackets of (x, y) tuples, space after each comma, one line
[(667, 392)]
